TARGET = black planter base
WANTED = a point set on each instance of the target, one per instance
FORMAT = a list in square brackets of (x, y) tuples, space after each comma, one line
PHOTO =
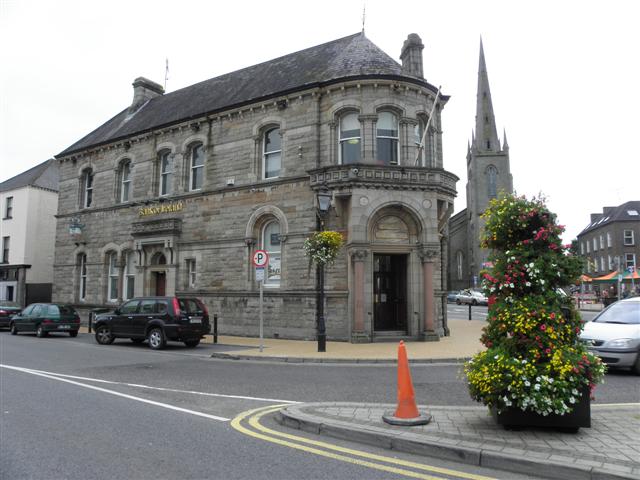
[(516, 419)]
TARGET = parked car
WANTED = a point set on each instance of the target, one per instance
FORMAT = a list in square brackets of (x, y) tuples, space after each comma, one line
[(45, 318), (614, 335), (472, 297), (8, 310), (452, 296), (156, 319)]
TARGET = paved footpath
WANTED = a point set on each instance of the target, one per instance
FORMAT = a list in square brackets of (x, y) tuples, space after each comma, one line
[(610, 449)]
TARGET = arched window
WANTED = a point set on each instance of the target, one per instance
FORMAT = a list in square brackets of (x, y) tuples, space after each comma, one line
[(82, 277), (271, 153), (427, 157), (349, 150), (129, 276), (271, 244), (165, 162), (492, 181), (459, 263), (387, 138), (87, 188), (113, 271), (124, 180), (196, 172)]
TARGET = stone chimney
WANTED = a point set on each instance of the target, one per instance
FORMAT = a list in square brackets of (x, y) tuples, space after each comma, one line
[(411, 55), (608, 210), (144, 90)]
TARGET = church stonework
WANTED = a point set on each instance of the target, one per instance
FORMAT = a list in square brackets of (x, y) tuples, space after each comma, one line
[(176, 193), (488, 174)]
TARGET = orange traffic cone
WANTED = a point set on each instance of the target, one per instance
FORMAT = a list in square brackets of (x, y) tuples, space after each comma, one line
[(407, 411)]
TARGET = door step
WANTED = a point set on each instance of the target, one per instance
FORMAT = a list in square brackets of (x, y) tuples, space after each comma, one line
[(391, 336)]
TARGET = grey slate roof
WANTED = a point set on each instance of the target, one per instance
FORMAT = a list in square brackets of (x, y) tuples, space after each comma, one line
[(616, 214), (354, 56), (44, 175)]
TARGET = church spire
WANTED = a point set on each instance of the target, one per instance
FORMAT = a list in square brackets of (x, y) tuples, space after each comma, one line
[(486, 133)]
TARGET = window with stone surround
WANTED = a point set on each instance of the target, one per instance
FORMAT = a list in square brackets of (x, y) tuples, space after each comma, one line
[(387, 146), (196, 166), (5, 249), (459, 264), (271, 153), (427, 154), (129, 275), (165, 167), (86, 185), (629, 260), (191, 273), (349, 139), (113, 272), (82, 277), (492, 181), (124, 181), (8, 208), (270, 242)]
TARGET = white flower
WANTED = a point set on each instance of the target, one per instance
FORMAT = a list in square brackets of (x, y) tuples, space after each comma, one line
[(511, 285), (542, 281), (537, 386), (550, 380), (572, 400), (527, 383), (528, 284)]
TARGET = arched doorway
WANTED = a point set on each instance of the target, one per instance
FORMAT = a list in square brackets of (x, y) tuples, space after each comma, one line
[(158, 275), (393, 234)]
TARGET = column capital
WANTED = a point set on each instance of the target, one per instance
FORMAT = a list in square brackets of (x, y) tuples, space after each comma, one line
[(429, 254), (358, 255)]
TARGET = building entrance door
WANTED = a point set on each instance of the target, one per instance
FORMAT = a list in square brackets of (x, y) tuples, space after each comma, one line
[(390, 293), (161, 283)]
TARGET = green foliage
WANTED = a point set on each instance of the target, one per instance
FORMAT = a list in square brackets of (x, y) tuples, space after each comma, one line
[(534, 359)]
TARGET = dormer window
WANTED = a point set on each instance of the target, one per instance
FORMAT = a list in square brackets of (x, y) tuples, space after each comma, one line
[(387, 138)]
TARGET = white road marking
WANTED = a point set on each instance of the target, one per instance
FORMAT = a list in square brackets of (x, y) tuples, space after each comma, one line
[(118, 394), (148, 387)]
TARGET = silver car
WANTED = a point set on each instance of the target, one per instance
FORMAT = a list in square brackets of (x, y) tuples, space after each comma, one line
[(614, 335), (471, 297)]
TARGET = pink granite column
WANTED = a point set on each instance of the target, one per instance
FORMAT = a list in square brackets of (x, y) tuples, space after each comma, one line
[(358, 257), (428, 259)]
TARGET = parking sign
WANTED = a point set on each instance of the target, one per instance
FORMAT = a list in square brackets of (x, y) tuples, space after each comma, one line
[(260, 258)]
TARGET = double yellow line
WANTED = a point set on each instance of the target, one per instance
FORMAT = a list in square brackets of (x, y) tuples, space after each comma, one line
[(348, 455)]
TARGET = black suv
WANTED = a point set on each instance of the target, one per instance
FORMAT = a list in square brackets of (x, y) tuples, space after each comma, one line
[(156, 319)]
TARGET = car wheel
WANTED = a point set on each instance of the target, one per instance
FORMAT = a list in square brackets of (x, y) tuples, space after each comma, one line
[(636, 366), (474, 303), (192, 343), (13, 329), (157, 340), (103, 335), (458, 301), (73, 333), (137, 340), (40, 332)]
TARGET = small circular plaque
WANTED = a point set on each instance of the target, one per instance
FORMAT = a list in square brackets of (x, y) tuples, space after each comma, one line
[(364, 200), (426, 203)]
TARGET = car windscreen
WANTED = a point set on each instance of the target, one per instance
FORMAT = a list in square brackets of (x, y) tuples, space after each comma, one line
[(620, 312)]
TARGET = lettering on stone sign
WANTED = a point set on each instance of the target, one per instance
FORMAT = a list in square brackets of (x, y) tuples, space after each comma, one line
[(160, 209)]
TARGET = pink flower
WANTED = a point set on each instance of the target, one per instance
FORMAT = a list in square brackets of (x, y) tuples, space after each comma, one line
[(543, 327)]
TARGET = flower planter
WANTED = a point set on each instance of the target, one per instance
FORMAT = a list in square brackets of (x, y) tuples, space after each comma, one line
[(515, 419)]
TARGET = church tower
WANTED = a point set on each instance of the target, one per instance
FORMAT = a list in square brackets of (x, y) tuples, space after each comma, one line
[(488, 172)]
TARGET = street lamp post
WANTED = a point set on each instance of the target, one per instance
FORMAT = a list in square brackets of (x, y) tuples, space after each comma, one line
[(323, 203)]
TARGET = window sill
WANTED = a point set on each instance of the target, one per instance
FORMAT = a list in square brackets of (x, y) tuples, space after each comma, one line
[(7, 218)]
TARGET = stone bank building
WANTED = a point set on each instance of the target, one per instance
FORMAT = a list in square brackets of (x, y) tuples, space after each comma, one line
[(175, 193)]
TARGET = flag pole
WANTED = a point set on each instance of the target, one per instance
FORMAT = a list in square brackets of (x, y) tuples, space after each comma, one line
[(426, 128)]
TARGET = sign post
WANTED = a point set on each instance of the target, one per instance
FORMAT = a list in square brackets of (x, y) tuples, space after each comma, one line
[(260, 260)]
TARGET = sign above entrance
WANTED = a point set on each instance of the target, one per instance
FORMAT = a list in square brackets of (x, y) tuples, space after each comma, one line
[(260, 258), (160, 208)]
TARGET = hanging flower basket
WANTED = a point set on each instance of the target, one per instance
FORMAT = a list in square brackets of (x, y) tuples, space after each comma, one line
[(322, 247)]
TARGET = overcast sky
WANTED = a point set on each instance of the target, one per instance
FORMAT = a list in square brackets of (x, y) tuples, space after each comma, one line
[(564, 75)]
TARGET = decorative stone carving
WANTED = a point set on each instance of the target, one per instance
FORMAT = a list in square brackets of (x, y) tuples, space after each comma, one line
[(429, 254), (359, 255), (171, 226), (391, 229)]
